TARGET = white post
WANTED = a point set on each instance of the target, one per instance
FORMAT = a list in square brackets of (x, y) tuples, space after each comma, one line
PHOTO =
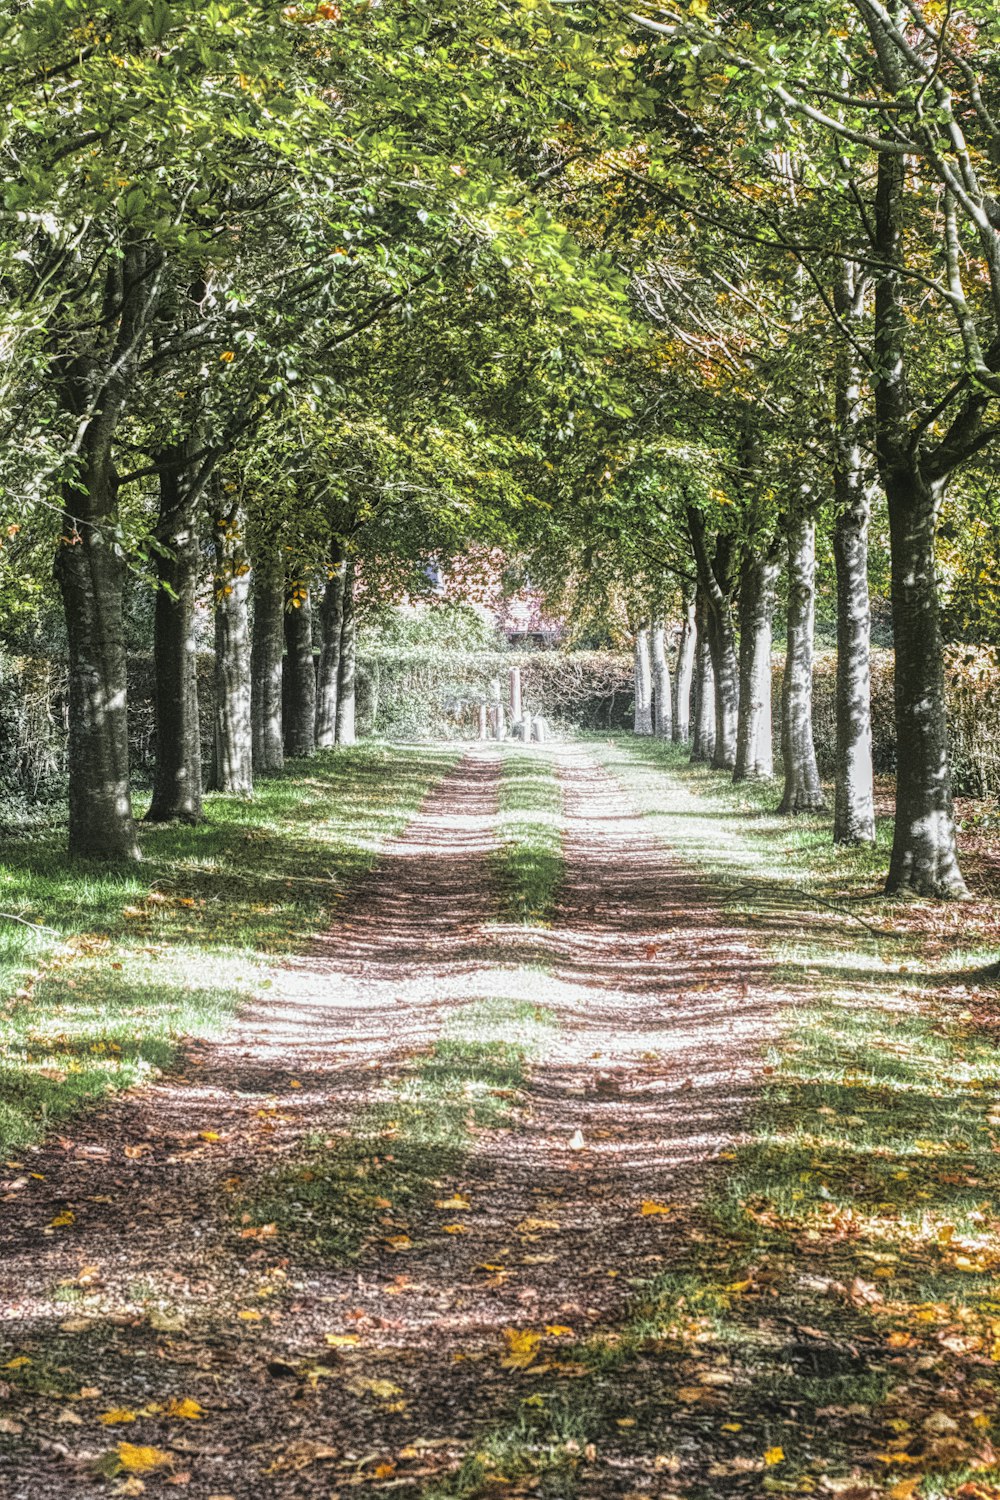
[(483, 729), (515, 695)]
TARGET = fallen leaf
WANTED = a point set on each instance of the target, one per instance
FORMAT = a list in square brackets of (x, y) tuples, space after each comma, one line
[(141, 1460), (383, 1389), (116, 1417), (522, 1348), (650, 1208), (342, 1340), (774, 1456), (186, 1407)]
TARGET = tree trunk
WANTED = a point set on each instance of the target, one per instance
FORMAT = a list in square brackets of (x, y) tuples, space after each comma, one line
[(232, 761), (298, 700), (681, 729), (328, 671), (642, 714), (94, 388), (714, 577), (803, 791), (924, 859), (754, 739), (854, 798), (177, 776), (265, 664), (703, 740), (662, 709), (89, 568), (347, 680)]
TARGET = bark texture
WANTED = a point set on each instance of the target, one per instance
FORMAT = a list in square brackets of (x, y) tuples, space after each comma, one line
[(347, 680), (854, 798), (642, 678), (177, 775), (803, 791), (232, 756), (754, 732), (328, 670), (298, 702), (265, 663), (924, 858), (683, 674)]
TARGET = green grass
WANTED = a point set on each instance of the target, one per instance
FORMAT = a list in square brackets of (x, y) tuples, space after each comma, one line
[(529, 862), (170, 949), (401, 1150)]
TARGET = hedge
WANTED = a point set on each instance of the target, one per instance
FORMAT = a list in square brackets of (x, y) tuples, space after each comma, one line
[(422, 693)]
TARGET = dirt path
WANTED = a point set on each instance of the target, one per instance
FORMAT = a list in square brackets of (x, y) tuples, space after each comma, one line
[(148, 1295)]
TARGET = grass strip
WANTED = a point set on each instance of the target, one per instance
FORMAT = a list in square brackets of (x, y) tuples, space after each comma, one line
[(529, 863), (170, 949), (346, 1192)]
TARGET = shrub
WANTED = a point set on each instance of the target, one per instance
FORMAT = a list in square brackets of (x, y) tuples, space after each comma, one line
[(428, 692)]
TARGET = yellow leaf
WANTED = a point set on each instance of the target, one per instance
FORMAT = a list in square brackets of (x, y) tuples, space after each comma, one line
[(17, 1362), (522, 1348), (732, 1427), (384, 1471), (650, 1208), (138, 1460), (209, 1135), (187, 1407), (625, 1422), (906, 1489), (737, 1286), (558, 1331), (250, 1315), (774, 1456), (691, 1393), (117, 1416), (66, 1217), (454, 1229), (383, 1389), (342, 1340), (399, 1242), (532, 1226), (457, 1200)]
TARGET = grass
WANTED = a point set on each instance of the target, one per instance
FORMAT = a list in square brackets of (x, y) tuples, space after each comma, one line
[(529, 863), (343, 1192), (143, 957)]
